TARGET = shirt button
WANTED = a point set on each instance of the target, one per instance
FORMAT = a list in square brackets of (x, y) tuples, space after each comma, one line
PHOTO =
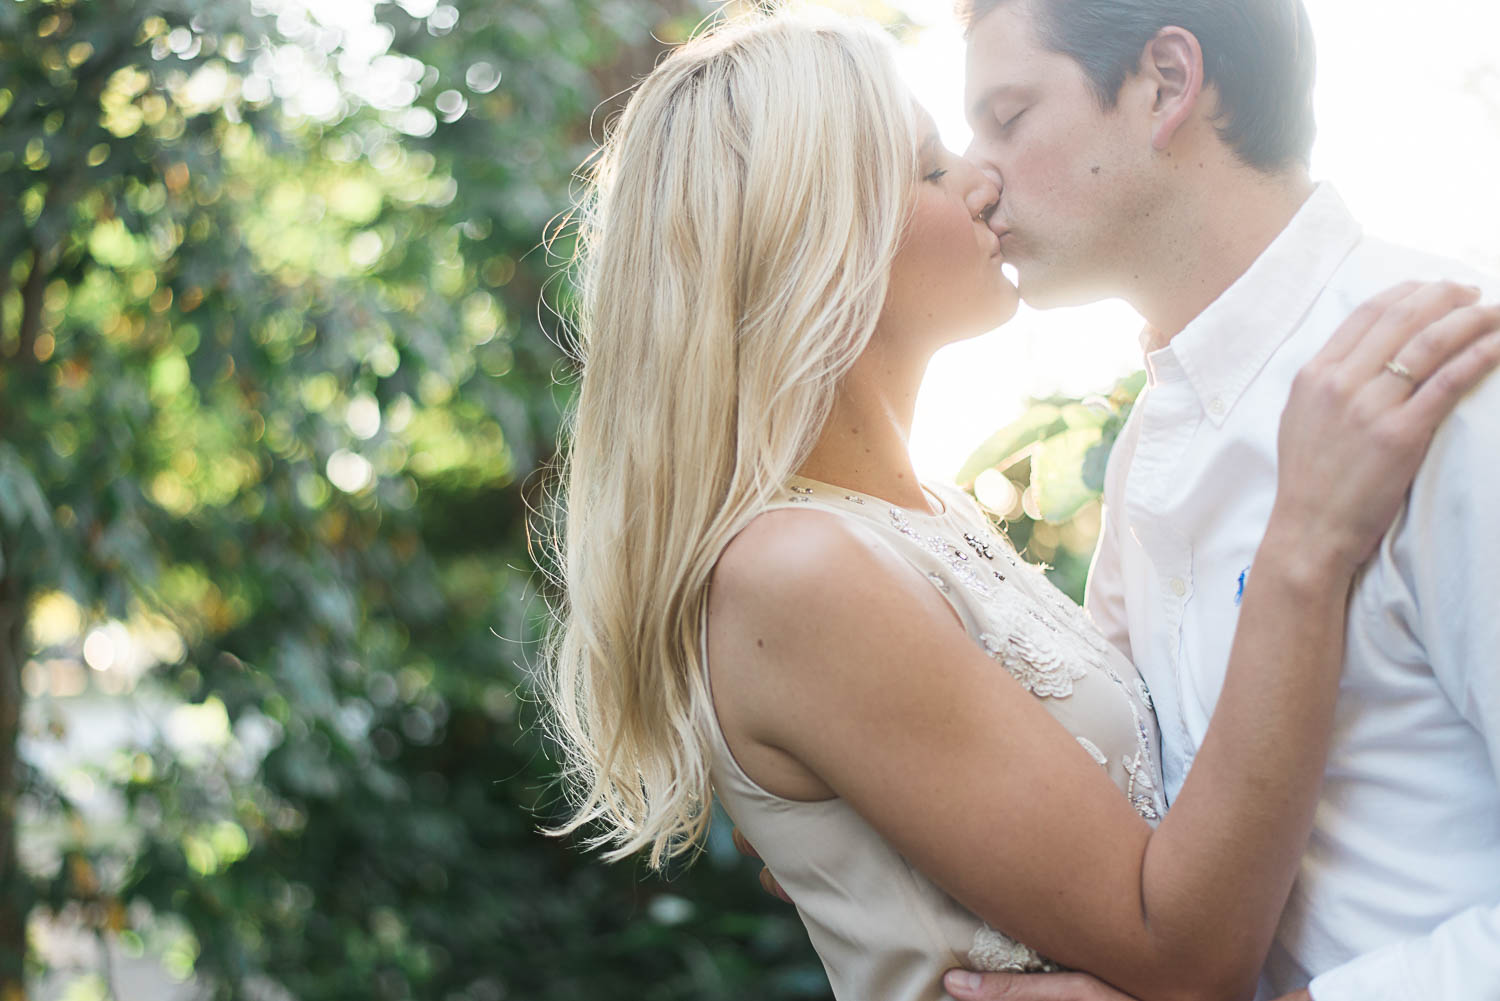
[(1216, 407), (1179, 586)]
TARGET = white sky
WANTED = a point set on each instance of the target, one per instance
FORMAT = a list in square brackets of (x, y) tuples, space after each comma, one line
[(1413, 154)]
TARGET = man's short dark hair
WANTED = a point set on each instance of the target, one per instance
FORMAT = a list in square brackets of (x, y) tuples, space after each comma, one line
[(1258, 54)]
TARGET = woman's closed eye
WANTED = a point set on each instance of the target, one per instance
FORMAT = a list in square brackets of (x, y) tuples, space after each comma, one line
[(936, 175)]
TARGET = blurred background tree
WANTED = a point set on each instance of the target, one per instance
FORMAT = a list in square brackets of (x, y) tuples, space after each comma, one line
[(275, 388)]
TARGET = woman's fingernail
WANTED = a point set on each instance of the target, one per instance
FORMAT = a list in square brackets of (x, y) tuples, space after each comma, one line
[(960, 982)]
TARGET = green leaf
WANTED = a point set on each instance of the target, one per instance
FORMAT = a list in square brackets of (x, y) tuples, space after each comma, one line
[(1057, 473), (1128, 388), (21, 499), (1091, 413), (1041, 421)]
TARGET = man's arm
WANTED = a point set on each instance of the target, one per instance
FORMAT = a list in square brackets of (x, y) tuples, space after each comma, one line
[(1447, 552)]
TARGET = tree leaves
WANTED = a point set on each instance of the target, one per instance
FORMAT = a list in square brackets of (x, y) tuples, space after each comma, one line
[(1055, 455), (280, 386)]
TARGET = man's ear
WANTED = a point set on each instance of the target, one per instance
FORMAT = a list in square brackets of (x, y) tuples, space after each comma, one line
[(1172, 67)]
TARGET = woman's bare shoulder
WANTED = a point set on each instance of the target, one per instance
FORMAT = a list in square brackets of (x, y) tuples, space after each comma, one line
[(790, 565), (800, 608)]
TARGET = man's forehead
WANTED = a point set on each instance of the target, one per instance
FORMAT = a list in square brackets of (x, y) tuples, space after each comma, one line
[(991, 76), (1008, 26), (1002, 49)]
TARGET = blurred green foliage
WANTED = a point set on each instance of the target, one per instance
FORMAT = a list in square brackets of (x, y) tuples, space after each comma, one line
[(1041, 477), (275, 391)]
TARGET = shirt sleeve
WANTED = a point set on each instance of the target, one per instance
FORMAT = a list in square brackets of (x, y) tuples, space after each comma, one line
[(1447, 548), (1459, 961)]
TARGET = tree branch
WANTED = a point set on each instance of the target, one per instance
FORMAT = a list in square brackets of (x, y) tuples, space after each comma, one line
[(31, 307), (14, 900)]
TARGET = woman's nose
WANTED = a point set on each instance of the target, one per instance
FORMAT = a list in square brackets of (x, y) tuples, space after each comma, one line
[(975, 157), (983, 195)]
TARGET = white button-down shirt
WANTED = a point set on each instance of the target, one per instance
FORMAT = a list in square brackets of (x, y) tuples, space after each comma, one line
[(1398, 898)]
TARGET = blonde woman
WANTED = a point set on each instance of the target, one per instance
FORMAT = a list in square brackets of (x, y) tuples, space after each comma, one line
[(934, 751)]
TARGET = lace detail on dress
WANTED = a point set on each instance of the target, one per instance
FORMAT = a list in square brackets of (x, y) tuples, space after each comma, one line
[(1042, 638), (992, 952), (1041, 663), (1034, 661), (956, 559), (1141, 790), (1099, 756)]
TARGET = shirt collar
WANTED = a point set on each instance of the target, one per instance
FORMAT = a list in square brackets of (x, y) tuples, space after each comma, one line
[(1224, 347)]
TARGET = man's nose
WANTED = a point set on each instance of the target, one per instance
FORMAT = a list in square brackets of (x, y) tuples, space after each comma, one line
[(985, 166)]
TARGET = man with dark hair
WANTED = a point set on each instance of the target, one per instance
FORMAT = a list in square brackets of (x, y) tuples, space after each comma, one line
[(1157, 151), (1259, 57)]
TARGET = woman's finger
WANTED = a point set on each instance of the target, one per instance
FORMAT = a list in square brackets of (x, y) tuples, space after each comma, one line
[(1446, 339), (1400, 324), (1439, 394), (1359, 323), (1428, 351)]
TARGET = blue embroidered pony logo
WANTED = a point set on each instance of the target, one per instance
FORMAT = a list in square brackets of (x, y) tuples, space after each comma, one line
[(1239, 593)]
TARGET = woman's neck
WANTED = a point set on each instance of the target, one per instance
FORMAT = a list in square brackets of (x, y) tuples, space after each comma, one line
[(864, 444)]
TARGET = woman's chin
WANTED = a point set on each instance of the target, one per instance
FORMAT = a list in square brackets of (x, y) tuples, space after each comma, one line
[(1000, 311), (1007, 302), (1005, 299)]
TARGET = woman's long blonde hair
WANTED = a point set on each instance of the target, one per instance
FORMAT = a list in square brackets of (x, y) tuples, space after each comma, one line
[(734, 254)]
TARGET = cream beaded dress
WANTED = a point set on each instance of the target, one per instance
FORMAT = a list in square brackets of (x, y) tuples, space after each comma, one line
[(883, 930)]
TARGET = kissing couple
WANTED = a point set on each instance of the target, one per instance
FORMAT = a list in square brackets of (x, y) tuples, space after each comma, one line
[(1262, 760)]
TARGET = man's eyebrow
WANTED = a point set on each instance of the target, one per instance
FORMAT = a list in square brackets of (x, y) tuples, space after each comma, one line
[(981, 103)]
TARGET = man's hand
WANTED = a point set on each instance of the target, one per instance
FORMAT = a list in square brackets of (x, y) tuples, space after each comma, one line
[(967, 986), (767, 881)]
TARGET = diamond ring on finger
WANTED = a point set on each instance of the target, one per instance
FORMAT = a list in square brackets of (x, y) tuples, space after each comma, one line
[(1399, 370)]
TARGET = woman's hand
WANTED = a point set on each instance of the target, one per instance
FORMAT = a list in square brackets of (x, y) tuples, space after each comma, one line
[(1363, 411)]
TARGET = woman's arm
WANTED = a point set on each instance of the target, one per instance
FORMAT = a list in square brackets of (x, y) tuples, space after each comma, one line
[(828, 648)]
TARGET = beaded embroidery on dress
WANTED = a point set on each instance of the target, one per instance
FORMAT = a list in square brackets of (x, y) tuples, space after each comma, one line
[(837, 868)]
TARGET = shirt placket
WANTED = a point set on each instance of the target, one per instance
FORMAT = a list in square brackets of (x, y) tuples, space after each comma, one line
[(1171, 414)]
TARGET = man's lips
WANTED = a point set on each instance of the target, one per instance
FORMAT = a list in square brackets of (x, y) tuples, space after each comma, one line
[(999, 241)]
